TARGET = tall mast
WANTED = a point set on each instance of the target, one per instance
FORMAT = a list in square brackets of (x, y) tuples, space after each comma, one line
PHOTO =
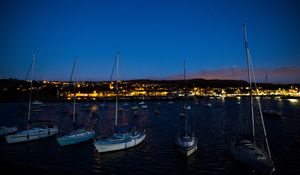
[(30, 93), (261, 114), (117, 62), (250, 82), (74, 73), (185, 97), (263, 125)]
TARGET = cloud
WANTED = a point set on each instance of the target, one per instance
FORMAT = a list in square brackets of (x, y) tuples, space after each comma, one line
[(275, 75)]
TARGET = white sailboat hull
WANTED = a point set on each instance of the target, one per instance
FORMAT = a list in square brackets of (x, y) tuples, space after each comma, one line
[(114, 144), (188, 151), (31, 134), (5, 130), (75, 137), (186, 145), (252, 156), (144, 106)]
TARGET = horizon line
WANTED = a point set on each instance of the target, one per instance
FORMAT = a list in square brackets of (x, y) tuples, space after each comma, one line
[(149, 79)]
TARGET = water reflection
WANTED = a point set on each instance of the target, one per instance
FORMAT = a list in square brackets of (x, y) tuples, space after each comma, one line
[(293, 101)]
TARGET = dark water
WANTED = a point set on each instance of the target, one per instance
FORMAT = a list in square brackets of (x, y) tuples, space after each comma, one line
[(213, 125)]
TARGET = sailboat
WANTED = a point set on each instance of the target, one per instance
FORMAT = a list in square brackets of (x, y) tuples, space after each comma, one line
[(119, 140), (37, 106), (246, 149), (34, 133), (7, 130), (143, 104), (185, 140), (78, 135)]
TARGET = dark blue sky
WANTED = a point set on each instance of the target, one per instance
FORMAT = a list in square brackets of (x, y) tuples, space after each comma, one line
[(153, 38)]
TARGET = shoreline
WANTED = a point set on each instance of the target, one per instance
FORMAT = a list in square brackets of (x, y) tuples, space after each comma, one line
[(138, 98)]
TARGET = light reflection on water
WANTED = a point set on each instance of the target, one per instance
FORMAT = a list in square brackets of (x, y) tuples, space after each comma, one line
[(293, 101)]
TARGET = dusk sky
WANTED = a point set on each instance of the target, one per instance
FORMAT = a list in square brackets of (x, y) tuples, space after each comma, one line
[(153, 37)]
